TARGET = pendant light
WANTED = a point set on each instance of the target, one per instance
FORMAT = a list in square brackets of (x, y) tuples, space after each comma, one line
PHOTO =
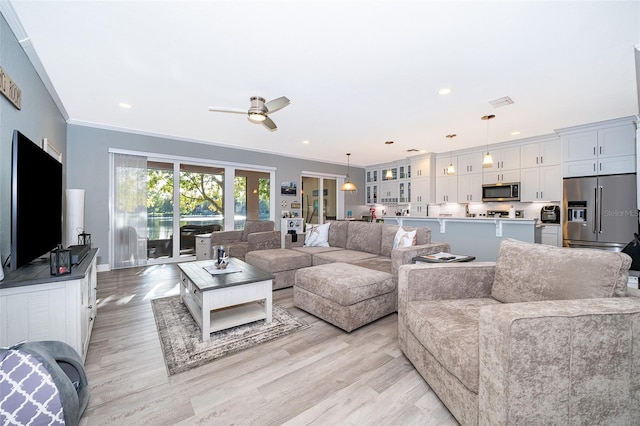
[(389, 174), (348, 185), (451, 170), (487, 161)]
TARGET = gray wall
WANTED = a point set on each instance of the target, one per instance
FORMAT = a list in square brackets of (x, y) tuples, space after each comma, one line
[(88, 159), (39, 118)]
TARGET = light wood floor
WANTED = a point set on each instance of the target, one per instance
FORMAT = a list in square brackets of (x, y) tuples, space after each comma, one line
[(320, 375)]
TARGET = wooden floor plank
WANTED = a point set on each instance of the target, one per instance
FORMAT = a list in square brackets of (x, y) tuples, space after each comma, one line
[(319, 375)]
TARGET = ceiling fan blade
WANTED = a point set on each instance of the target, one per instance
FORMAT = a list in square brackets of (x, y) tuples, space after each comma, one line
[(232, 110), (277, 104), (269, 124)]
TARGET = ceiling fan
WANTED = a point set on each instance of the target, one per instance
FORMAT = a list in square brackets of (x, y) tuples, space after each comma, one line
[(259, 110)]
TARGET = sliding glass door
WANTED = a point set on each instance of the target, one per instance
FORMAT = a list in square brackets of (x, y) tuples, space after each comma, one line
[(160, 206)]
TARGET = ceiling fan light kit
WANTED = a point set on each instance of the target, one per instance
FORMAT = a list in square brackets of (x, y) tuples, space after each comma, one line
[(259, 110)]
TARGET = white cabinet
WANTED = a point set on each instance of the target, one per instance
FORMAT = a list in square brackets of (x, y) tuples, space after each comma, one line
[(540, 154), (422, 166), (470, 188), (422, 193), (551, 235), (442, 164), (371, 196), (423, 188), (372, 174), (606, 150), (447, 189), (506, 166), (496, 175), (50, 308), (419, 210), (469, 163), (372, 177), (541, 184), (389, 192)]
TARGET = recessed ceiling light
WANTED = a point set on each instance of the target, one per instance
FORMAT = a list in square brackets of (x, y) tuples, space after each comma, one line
[(306, 142), (444, 91), (124, 105), (515, 133)]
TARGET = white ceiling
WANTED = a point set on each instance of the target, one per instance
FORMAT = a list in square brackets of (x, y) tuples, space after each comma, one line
[(358, 73)]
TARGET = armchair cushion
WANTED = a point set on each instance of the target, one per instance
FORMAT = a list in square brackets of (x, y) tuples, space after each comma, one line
[(449, 328), (528, 272)]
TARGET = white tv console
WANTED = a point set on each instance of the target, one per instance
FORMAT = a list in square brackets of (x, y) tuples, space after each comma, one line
[(34, 305)]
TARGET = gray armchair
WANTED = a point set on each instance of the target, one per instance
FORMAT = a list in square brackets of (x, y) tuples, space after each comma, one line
[(256, 235), (544, 335)]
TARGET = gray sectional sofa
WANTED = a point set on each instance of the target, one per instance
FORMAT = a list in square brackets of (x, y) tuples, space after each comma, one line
[(351, 282)]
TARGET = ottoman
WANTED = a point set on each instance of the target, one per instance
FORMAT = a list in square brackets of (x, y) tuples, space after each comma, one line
[(282, 263), (345, 295)]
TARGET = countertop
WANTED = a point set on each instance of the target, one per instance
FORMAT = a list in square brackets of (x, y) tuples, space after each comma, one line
[(467, 219)]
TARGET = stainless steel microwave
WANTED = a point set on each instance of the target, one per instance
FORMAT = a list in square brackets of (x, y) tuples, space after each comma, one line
[(501, 191)]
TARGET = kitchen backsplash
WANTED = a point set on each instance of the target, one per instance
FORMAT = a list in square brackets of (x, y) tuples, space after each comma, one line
[(531, 210)]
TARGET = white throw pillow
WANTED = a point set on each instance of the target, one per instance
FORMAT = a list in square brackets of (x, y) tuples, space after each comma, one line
[(317, 235), (404, 238)]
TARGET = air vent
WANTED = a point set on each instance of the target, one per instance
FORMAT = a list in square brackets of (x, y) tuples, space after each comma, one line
[(500, 102)]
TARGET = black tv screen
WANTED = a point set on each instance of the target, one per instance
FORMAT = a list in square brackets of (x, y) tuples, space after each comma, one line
[(36, 201)]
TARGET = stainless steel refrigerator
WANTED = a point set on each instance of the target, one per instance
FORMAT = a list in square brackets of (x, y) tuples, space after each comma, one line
[(599, 211)]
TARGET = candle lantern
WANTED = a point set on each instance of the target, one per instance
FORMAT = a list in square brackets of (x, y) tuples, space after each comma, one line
[(84, 239), (60, 261)]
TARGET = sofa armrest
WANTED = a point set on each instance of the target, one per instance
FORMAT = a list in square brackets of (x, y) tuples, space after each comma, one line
[(404, 255), (288, 240), (560, 362), (225, 237), (264, 240), (439, 281)]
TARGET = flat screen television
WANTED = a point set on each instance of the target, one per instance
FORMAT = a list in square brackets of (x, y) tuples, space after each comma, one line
[(36, 201)]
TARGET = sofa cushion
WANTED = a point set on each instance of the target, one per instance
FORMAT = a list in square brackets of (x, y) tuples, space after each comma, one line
[(423, 236), (317, 235), (448, 329), (251, 226), (338, 232), (527, 272), (315, 250), (345, 256), (343, 283), (277, 260), (404, 238), (364, 236), (377, 263)]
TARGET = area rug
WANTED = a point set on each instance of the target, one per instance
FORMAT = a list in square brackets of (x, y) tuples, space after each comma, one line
[(180, 335)]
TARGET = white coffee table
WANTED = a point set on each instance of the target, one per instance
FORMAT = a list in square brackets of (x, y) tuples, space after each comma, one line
[(222, 301)]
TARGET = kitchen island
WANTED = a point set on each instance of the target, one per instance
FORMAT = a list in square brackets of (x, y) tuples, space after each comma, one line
[(473, 236)]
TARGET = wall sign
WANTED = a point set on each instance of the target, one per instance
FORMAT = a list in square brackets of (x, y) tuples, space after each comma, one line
[(10, 90)]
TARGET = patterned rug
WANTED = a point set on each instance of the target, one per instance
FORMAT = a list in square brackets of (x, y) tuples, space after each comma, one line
[(180, 335)]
